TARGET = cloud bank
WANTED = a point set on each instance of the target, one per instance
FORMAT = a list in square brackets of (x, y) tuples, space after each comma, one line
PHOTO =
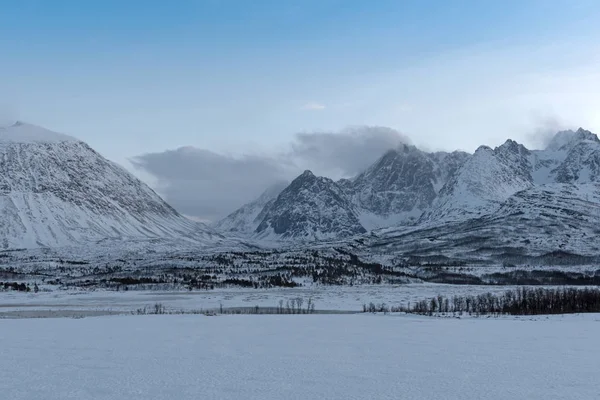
[(208, 185), (346, 153)]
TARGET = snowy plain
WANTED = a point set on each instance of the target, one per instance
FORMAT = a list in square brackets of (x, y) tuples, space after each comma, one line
[(330, 298), (273, 357)]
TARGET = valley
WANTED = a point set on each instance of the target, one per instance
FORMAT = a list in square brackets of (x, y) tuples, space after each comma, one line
[(75, 222)]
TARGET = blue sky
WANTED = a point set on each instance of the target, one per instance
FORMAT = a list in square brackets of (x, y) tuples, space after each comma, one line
[(244, 77)]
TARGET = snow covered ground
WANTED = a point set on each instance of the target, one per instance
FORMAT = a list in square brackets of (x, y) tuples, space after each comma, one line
[(304, 357), (339, 298)]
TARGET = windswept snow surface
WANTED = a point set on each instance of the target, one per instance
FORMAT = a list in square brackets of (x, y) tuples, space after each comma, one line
[(274, 357)]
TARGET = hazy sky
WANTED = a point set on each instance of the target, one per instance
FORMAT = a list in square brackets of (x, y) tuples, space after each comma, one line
[(213, 85)]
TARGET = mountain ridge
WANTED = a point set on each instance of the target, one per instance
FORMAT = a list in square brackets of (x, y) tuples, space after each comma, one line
[(409, 187)]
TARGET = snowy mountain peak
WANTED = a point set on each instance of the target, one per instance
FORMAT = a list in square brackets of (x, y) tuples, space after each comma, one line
[(21, 132), (583, 135), (307, 180), (306, 174), (392, 154), (57, 191), (310, 208), (483, 182), (484, 149), (398, 186), (513, 147), (568, 139), (404, 147)]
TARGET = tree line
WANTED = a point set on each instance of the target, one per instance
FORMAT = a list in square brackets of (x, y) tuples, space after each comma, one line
[(520, 301)]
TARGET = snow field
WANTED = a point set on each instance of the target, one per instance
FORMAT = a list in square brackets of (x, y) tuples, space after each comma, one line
[(300, 357)]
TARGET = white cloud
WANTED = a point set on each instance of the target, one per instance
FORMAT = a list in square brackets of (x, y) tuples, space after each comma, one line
[(344, 153), (313, 106), (209, 185)]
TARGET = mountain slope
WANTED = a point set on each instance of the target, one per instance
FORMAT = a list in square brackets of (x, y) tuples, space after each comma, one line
[(490, 177), (531, 223), (398, 182), (582, 161), (402, 184), (246, 219), (483, 183), (57, 191)]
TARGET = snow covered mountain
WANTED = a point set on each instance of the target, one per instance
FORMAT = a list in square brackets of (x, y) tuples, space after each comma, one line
[(582, 161), (410, 187), (497, 208), (310, 208), (57, 191), (399, 182), (394, 190), (530, 223), (401, 185), (490, 177), (483, 183)]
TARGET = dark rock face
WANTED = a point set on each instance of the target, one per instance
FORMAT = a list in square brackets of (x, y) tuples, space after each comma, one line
[(401, 181), (405, 181), (581, 165), (310, 208), (517, 158)]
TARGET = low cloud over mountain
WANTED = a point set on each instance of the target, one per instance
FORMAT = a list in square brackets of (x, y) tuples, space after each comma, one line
[(209, 185)]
